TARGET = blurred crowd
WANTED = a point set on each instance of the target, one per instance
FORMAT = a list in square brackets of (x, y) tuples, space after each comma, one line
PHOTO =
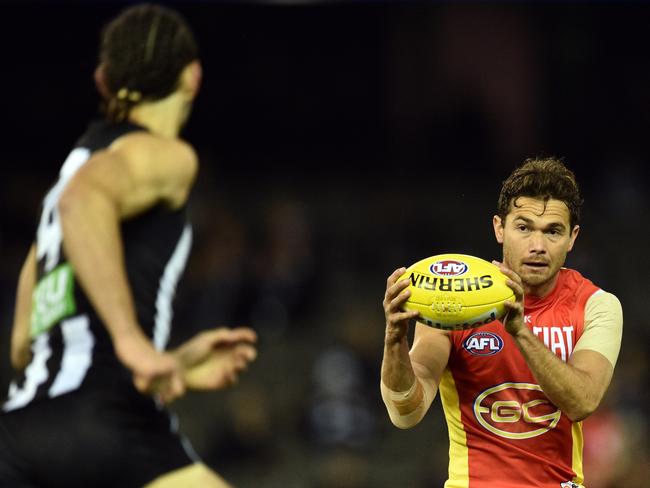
[(299, 247)]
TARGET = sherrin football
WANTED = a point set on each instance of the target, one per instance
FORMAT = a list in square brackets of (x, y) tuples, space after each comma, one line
[(457, 291)]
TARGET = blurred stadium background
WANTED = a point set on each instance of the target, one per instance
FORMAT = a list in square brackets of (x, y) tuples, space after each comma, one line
[(338, 141)]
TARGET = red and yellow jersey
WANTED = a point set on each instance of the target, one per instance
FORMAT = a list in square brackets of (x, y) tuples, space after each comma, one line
[(503, 431)]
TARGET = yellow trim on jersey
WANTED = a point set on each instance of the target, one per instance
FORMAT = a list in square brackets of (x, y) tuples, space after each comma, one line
[(458, 453), (576, 463)]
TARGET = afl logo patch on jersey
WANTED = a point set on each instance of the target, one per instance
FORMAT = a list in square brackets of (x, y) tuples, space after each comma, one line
[(483, 344), (448, 267)]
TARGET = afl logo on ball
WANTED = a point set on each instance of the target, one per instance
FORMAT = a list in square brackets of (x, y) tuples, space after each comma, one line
[(483, 344), (448, 267)]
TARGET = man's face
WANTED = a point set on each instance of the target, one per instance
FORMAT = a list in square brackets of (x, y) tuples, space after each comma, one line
[(536, 238)]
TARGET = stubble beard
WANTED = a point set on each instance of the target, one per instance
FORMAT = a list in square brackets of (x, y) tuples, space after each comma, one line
[(538, 281), (531, 279)]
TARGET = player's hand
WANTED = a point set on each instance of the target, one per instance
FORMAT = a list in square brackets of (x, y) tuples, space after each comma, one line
[(154, 373), (514, 320), (213, 359), (397, 320)]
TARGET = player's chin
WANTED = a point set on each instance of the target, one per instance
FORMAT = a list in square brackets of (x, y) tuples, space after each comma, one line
[(535, 276)]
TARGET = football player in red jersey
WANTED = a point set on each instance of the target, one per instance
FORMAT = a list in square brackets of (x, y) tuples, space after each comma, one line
[(514, 417)]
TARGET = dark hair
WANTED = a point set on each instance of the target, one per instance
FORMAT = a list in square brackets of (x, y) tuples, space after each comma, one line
[(143, 52), (542, 178)]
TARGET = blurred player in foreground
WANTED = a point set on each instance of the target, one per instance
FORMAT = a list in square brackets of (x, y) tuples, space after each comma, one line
[(94, 300), (513, 393)]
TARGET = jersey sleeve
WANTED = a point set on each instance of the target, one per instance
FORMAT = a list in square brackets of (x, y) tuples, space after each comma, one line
[(603, 326)]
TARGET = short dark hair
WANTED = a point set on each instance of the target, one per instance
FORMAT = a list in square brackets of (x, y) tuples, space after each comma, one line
[(143, 52), (542, 178)]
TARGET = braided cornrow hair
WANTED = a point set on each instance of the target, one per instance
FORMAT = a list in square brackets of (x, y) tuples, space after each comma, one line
[(143, 52)]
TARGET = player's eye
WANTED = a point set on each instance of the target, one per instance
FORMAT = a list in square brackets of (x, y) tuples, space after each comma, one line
[(522, 228)]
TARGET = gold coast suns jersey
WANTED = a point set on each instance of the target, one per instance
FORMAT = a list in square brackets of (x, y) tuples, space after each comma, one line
[(503, 431)]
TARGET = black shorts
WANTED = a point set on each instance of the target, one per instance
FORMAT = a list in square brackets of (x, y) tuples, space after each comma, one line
[(90, 439)]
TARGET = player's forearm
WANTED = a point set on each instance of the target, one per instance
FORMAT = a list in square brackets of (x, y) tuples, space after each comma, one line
[(20, 353), (92, 243), (401, 391), (396, 368), (567, 387)]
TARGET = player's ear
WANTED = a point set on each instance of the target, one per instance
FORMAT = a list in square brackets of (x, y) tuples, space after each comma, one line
[(497, 223), (574, 235), (100, 82), (191, 79)]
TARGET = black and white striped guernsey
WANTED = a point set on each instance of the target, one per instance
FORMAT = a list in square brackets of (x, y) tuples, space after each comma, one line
[(71, 348)]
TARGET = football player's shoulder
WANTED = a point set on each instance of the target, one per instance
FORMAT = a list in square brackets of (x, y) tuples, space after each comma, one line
[(146, 149), (605, 300), (166, 166)]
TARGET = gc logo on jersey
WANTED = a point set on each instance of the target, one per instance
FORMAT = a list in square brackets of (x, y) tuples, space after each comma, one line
[(483, 344), (516, 411)]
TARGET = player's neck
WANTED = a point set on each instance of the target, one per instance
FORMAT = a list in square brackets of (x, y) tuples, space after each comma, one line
[(163, 117)]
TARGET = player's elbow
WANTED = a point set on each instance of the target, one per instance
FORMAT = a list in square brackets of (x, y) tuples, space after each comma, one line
[(406, 409), (581, 411), (578, 415), (405, 418), (403, 426), (404, 422)]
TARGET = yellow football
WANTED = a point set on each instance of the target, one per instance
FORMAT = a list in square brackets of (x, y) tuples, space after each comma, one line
[(457, 291)]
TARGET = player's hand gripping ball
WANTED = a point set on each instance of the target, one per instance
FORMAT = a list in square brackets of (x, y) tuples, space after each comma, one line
[(457, 291)]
